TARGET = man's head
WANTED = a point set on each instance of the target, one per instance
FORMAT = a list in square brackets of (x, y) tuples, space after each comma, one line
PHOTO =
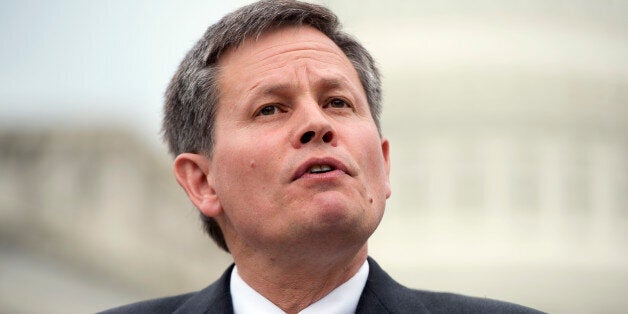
[(243, 164)]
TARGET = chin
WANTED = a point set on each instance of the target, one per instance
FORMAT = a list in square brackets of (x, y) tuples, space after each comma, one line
[(344, 224)]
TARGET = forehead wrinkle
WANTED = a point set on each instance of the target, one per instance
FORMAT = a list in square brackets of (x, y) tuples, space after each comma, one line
[(307, 45), (261, 87), (286, 58), (317, 81), (335, 80), (321, 79), (262, 63)]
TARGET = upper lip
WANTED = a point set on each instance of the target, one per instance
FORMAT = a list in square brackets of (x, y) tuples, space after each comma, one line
[(334, 163)]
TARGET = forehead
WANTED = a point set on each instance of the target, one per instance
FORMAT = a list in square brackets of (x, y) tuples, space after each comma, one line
[(282, 47)]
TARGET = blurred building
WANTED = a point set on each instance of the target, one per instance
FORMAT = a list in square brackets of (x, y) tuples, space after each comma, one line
[(509, 142), (89, 212)]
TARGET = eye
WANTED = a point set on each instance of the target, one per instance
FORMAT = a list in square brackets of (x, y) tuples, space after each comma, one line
[(268, 110), (338, 103)]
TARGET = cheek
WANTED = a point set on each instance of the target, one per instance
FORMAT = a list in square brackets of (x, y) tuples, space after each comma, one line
[(243, 167), (374, 163), (371, 147), (229, 167)]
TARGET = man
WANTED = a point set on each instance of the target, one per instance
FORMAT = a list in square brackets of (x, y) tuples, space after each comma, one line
[(273, 118)]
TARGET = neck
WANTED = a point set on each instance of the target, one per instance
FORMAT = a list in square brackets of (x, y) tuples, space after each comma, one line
[(293, 283)]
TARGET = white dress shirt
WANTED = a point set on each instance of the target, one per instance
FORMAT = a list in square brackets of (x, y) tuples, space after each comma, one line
[(343, 299)]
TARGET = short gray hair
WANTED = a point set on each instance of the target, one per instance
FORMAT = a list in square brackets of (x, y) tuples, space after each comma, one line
[(192, 96)]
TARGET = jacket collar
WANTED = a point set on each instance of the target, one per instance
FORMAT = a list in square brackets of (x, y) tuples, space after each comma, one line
[(381, 294)]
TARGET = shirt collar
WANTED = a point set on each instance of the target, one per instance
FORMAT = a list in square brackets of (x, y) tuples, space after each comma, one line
[(343, 299)]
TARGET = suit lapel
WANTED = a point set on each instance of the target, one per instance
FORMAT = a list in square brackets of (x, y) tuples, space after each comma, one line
[(369, 303), (382, 294)]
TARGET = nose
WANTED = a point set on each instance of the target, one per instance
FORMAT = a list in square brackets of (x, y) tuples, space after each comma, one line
[(313, 127), (309, 135)]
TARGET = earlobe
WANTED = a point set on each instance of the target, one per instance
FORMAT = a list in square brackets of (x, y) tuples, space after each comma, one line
[(192, 171), (386, 155)]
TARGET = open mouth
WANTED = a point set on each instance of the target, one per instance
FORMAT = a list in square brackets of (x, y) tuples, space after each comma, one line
[(320, 169), (319, 166)]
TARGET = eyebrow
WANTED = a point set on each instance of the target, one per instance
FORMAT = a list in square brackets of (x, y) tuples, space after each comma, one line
[(330, 83), (326, 84)]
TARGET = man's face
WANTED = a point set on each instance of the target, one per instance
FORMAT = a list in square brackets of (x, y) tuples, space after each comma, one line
[(297, 160)]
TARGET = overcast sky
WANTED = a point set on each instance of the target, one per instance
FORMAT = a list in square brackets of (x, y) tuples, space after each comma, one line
[(78, 63)]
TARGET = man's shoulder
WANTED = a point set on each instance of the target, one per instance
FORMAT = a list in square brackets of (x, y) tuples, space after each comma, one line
[(382, 294), (215, 297), (160, 305), (443, 302)]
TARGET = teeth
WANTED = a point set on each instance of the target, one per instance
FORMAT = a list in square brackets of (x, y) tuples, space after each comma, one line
[(320, 168)]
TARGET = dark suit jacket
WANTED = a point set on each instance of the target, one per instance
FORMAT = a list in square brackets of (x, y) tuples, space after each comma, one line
[(380, 295)]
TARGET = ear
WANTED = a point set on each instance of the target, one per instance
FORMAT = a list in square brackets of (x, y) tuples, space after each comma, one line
[(386, 155), (193, 174)]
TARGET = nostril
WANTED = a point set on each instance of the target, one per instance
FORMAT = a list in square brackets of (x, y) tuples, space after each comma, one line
[(307, 136), (327, 137)]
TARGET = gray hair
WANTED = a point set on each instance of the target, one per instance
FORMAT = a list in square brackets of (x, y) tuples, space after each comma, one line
[(192, 96)]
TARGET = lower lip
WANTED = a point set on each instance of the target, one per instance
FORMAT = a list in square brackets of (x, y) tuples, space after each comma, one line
[(330, 175)]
